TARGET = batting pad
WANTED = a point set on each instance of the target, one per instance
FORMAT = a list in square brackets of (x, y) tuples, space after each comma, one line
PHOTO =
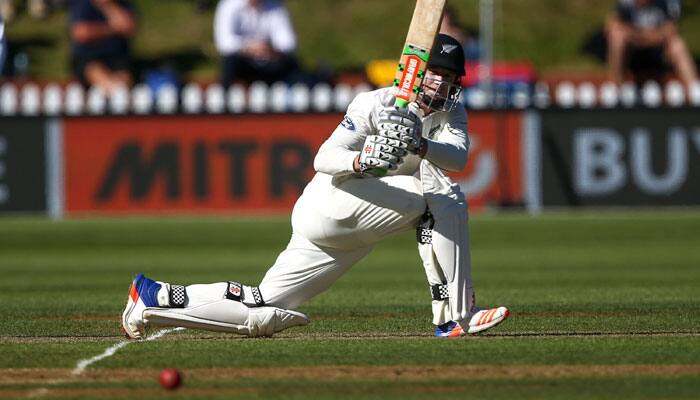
[(446, 257), (227, 316)]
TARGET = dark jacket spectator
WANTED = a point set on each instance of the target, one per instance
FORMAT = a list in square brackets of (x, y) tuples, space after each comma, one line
[(643, 35), (100, 31)]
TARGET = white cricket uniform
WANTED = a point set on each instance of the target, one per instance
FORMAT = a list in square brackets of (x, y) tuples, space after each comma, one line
[(341, 215)]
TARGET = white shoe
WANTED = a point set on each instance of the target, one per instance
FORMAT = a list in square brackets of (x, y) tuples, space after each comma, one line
[(487, 318), (142, 294)]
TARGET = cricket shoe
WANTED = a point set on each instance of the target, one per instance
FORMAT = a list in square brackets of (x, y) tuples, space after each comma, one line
[(449, 330), (480, 321), (487, 318), (142, 294)]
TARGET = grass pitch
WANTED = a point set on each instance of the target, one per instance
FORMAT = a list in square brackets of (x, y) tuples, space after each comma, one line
[(603, 306)]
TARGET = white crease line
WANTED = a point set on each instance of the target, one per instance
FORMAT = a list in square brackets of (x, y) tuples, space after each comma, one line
[(82, 364)]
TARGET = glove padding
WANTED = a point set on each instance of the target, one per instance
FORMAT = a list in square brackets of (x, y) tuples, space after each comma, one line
[(402, 124), (380, 154)]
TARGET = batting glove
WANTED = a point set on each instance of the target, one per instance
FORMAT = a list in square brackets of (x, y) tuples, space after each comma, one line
[(380, 154), (401, 124)]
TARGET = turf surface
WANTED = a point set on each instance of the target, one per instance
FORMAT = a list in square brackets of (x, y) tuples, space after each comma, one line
[(603, 305)]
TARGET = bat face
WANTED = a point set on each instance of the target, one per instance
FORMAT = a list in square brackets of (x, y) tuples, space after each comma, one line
[(414, 59)]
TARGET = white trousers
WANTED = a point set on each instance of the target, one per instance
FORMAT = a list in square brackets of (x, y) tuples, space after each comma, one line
[(337, 221), (334, 225)]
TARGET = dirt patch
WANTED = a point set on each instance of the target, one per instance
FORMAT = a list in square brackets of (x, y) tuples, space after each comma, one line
[(15, 376), (104, 382), (440, 372), (148, 393)]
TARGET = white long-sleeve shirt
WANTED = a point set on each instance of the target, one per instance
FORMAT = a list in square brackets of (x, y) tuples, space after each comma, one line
[(446, 132), (236, 22)]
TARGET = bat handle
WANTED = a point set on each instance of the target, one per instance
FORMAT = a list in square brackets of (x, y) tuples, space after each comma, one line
[(400, 103)]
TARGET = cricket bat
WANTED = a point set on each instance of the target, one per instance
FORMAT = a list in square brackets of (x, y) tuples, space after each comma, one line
[(424, 27)]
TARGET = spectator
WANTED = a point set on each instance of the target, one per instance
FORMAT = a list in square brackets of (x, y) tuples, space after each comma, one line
[(7, 10), (3, 46), (100, 31), (202, 5), (468, 37), (643, 36), (256, 41), (37, 9)]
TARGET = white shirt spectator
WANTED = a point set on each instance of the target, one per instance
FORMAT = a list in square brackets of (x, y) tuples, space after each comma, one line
[(237, 22), (3, 47)]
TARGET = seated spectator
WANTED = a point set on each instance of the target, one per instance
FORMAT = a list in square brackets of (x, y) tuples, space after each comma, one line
[(643, 36), (256, 41), (100, 31), (3, 45), (7, 10), (202, 5), (37, 9), (468, 37)]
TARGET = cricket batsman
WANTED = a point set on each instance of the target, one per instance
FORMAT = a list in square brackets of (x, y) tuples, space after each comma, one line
[(379, 173)]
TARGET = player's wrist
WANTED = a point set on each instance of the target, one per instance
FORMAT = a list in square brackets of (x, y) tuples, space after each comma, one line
[(356, 163), (422, 147)]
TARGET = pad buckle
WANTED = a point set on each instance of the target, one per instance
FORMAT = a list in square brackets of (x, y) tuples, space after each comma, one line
[(424, 236), (248, 295), (177, 296), (234, 291), (440, 292), (424, 231), (256, 297)]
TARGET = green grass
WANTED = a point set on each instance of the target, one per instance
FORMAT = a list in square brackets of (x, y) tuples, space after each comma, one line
[(346, 34), (615, 293)]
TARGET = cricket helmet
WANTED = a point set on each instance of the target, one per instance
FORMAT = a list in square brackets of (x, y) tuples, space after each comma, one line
[(439, 95), (447, 53)]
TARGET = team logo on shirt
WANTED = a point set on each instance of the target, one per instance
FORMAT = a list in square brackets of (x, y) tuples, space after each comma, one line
[(347, 123)]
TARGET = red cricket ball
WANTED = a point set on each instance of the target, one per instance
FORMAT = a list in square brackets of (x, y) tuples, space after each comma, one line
[(170, 378)]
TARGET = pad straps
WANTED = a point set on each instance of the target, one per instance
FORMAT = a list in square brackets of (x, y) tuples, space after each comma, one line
[(440, 292), (424, 235), (424, 231), (177, 296), (248, 295)]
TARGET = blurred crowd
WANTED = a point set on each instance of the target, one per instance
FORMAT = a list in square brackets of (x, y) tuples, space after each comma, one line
[(256, 41), (37, 9)]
